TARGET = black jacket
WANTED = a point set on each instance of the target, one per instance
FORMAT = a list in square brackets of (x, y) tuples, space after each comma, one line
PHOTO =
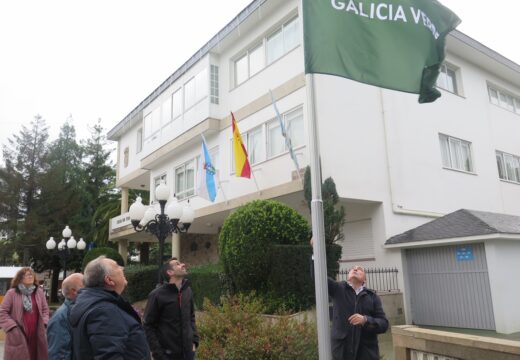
[(355, 342), (105, 326), (169, 321)]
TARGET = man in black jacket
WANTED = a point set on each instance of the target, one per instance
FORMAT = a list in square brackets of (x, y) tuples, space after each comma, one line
[(169, 317), (357, 317), (104, 325)]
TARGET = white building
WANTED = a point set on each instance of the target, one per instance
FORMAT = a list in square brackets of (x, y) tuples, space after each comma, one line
[(397, 164)]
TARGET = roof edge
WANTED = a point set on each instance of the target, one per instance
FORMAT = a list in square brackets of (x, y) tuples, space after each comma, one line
[(203, 51)]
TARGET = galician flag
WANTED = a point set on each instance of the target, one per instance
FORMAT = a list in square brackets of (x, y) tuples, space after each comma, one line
[(242, 167), (394, 44), (207, 187)]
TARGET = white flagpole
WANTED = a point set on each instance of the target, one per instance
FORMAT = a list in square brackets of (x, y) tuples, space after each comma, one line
[(318, 228), (220, 187), (254, 179)]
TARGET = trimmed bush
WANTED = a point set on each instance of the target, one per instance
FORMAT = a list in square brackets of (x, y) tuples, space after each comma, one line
[(108, 252), (291, 286), (236, 331), (247, 237), (141, 280), (206, 282)]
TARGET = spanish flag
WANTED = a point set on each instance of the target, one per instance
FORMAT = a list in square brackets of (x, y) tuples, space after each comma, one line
[(242, 167)]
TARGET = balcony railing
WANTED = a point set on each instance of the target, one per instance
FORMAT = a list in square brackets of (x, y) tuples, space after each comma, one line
[(378, 279)]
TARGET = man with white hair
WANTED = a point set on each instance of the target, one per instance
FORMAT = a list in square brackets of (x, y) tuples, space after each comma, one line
[(59, 332), (357, 317), (104, 325)]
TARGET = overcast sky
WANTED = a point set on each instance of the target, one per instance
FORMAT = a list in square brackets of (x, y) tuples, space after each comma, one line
[(100, 58)]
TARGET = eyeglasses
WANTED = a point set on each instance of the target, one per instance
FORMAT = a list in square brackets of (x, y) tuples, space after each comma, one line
[(28, 275)]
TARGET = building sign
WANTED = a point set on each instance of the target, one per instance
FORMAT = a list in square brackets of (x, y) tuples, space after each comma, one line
[(465, 253), (120, 221)]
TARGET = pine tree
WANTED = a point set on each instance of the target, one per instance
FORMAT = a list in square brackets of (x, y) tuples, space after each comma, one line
[(333, 216), (25, 157), (99, 176)]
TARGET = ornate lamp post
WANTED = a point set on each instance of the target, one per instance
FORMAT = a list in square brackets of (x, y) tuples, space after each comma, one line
[(171, 219), (65, 247)]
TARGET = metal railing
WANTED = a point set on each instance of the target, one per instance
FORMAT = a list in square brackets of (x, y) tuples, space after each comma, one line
[(378, 279)]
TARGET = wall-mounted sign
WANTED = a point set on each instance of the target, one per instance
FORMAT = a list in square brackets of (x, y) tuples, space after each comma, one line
[(465, 253)]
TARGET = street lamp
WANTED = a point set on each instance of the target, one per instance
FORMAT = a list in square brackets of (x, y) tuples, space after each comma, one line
[(65, 247), (173, 218)]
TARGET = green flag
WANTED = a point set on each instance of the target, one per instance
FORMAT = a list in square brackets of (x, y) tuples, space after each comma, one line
[(395, 44)]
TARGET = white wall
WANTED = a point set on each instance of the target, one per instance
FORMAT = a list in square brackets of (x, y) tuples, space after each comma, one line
[(503, 265), (129, 139)]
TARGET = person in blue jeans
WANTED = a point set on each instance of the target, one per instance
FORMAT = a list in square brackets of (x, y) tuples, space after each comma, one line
[(169, 316)]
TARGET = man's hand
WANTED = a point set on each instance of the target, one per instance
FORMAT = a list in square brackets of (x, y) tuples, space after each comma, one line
[(194, 348), (357, 319)]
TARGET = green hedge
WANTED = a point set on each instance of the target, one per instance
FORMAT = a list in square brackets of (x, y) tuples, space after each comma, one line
[(248, 235), (206, 282), (290, 284), (141, 280)]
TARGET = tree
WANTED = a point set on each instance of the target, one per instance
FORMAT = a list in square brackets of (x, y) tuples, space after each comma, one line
[(99, 177), (25, 157), (61, 197), (333, 216), (247, 237)]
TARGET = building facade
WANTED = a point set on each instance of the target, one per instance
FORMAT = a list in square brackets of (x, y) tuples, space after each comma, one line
[(397, 164)]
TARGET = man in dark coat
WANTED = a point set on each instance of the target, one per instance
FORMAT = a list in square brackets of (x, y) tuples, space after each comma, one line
[(358, 317), (169, 316), (104, 325), (59, 331)]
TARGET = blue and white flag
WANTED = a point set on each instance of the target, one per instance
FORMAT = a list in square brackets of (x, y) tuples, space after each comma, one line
[(207, 187), (286, 136)]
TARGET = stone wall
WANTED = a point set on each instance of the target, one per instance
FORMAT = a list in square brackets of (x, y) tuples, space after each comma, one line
[(393, 306), (448, 344), (199, 249)]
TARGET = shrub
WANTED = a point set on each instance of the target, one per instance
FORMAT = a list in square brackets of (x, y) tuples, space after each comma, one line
[(291, 286), (236, 331), (206, 282), (108, 252), (141, 280), (248, 235)]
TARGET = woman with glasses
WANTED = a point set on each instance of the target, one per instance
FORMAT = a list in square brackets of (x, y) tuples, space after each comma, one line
[(24, 315)]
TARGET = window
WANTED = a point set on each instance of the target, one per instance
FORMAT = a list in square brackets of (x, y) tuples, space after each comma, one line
[(213, 84), (504, 100), (249, 64), (283, 40), (177, 104), (255, 145), (456, 153), (278, 43), (139, 141), (185, 180), (508, 166), (447, 79), (275, 140), (196, 89), (152, 125), (166, 111), (293, 121), (266, 141)]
